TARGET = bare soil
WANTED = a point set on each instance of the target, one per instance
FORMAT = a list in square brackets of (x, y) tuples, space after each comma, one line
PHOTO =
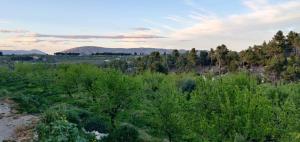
[(14, 126)]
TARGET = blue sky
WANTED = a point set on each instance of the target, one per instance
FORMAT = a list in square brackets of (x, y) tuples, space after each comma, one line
[(55, 25)]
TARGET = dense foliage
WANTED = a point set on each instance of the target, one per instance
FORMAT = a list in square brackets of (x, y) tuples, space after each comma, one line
[(76, 99), (277, 60)]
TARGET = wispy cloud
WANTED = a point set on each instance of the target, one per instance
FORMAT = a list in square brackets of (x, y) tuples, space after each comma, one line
[(160, 25), (195, 28), (21, 42), (240, 30), (180, 20), (13, 31), (6, 46), (255, 4), (49, 41), (134, 41), (141, 29), (99, 37)]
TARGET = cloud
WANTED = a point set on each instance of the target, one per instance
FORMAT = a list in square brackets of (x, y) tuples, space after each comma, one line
[(185, 40), (21, 42), (239, 30), (141, 29), (162, 26), (135, 41), (255, 4), (198, 28), (178, 19), (98, 37), (49, 41), (13, 31), (6, 46)]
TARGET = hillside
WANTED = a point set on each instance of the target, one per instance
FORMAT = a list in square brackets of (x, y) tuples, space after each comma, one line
[(88, 50), (22, 52)]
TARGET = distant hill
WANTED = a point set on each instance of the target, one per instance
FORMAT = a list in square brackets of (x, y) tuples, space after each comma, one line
[(22, 52), (88, 50)]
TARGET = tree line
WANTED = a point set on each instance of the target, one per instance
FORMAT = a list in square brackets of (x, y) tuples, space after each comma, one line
[(278, 59)]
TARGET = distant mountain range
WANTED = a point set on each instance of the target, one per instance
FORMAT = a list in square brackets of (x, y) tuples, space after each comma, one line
[(22, 52), (88, 50)]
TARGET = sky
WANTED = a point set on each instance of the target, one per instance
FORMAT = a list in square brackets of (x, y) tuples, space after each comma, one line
[(56, 25)]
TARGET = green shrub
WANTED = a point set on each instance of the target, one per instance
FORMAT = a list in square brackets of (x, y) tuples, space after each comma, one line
[(96, 124), (187, 85), (31, 103), (230, 107), (124, 134), (59, 131), (54, 127), (51, 116), (71, 113), (77, 116)]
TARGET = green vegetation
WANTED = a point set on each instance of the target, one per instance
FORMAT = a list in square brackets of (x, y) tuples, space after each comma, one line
[(278, 60), (149, 106), (216, 95)]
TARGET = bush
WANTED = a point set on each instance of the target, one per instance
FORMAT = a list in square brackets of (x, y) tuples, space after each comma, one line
[(96, 124), (31, 103), (71, 113), (54, 127), (51, 116), (187, 85), (77, 116), (59, 131), (124, 134)]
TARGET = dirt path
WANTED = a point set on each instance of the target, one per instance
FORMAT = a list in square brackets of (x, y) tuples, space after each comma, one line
[(14, 126)]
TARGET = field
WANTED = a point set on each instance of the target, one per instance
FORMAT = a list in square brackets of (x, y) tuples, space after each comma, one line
[(97, 60), (73, 100)]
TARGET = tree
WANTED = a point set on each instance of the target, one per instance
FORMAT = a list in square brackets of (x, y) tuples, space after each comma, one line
[(182, 62), (124, 134), (121, 65), (293, 40), (140, 64), (192, 59), (115, 93), (292, 73), (275, 67), (232, 61), (249, 57), (212, 56), (291, 37), (155, 57), (162, 107), (277, 45), (220, 54), (88, 78), (297, 46), (175, 53), (156, 64), (173, 58), (69, 79), (158, 67), (204, 58)]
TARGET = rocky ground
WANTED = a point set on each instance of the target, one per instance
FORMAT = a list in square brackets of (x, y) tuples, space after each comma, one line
[(14, 126)]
